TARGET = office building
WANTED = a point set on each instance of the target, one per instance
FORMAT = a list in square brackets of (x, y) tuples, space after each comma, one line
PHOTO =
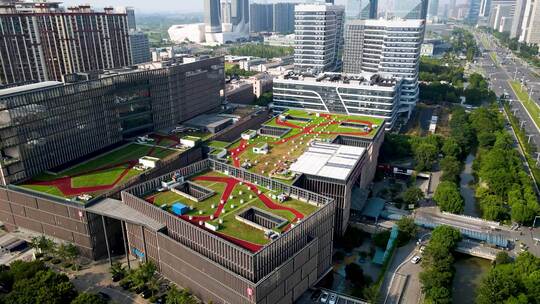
[(485, 8), (361, 9), (43, 41), (410, 9), (388, 47), (517, 20), (473, 12), (433, 8), (261, 17), (530, 28), (81, 118), (283, 15), (500, 11), (226, 21), (363, 94), (140, 47), (212, 16), (318, 37)]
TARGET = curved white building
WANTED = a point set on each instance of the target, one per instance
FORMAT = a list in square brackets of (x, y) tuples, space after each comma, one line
[(192, 32)]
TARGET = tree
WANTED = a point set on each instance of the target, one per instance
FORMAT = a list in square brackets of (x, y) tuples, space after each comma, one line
[(117, 270), (45, 287), (451, 168), (42, 244), (355, 274), (451, 148), (265, 99), (381, 239), (425, 154), (68, 252), (407, 230), (176, 296), (502, 258), (448, 197), (412, 195), (88, 298)]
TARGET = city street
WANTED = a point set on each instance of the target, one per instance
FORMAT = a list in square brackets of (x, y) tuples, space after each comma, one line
[(499, 75)]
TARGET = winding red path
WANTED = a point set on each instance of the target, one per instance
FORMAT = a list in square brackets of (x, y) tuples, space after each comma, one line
[(64, 184)]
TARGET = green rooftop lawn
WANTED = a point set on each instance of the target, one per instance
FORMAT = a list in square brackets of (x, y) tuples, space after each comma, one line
[(218, 144), (288, 152), (101, 177), (231, 226)]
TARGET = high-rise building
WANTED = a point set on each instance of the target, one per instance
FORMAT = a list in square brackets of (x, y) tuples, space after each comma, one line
[(130, 13), (530, 28), (318, 37), (261, 17), (474, 11), (140, 47), (388, 47), (212, 16), (517, 20), (485, 7), (226, 20), (410, 9), (43, 41), (500, 11), (361, 9), (433, 10), (283, 15)]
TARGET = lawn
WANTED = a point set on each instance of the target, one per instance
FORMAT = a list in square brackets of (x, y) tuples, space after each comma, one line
[(529, 104), (83, 174), (218, 144), (231, 226)]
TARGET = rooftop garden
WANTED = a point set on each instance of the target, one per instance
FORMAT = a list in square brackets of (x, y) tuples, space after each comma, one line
[(288, 136), (226, 212), (94, 176)]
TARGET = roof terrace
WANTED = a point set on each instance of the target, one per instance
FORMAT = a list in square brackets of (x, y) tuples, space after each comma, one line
[(282, 140)]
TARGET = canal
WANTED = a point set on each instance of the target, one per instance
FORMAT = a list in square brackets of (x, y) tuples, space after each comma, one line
[(469, 273), (467, 192)]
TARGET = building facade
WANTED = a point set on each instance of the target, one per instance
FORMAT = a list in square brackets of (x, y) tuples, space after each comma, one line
[(140, 47), (473, 12), (353, 94), (389, 47), (361, 9), (318, 37), (46, 125), (517, 21), (530, 31), (46, 42), (410, 9), (283, 15), (261, 17)]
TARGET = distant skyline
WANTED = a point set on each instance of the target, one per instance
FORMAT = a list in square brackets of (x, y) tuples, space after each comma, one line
[(185, 6)]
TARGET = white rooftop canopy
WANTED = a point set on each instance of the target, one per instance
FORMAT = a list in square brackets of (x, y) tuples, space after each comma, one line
[(328, 160)]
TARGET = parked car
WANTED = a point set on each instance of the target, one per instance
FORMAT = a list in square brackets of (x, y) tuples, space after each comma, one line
[(117, 277), (333, 299), (147, 293), (324, 297), (416, 259)]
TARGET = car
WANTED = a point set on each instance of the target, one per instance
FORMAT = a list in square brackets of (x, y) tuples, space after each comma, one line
[(106, 297), (324, 297), (422, 249), (117, 277), (416, 259), (333, 299), (147, 293), (315, 295), (161, 300)]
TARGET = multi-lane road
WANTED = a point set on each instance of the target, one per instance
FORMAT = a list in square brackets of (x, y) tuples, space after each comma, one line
[(507, 67)]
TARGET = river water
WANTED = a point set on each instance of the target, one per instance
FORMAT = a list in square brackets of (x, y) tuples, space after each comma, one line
[(469, 273), (466, 191)]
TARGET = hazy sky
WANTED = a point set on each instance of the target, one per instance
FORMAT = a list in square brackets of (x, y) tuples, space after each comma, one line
[(157, 5)]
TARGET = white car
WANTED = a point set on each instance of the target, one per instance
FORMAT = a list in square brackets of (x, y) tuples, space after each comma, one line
[(416, 259)]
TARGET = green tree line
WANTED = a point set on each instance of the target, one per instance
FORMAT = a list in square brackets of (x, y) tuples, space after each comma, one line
[(261, 50)]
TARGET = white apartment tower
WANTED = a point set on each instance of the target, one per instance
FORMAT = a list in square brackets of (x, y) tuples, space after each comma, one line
[(386, 46), (318, 30), (530, 27)]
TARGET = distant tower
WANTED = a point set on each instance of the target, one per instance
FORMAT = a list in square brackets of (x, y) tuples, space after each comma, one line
[(361, 9), (410, 9), (212, 16)]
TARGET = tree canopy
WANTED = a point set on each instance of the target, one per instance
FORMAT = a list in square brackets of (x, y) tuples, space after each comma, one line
[(448, 197)]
